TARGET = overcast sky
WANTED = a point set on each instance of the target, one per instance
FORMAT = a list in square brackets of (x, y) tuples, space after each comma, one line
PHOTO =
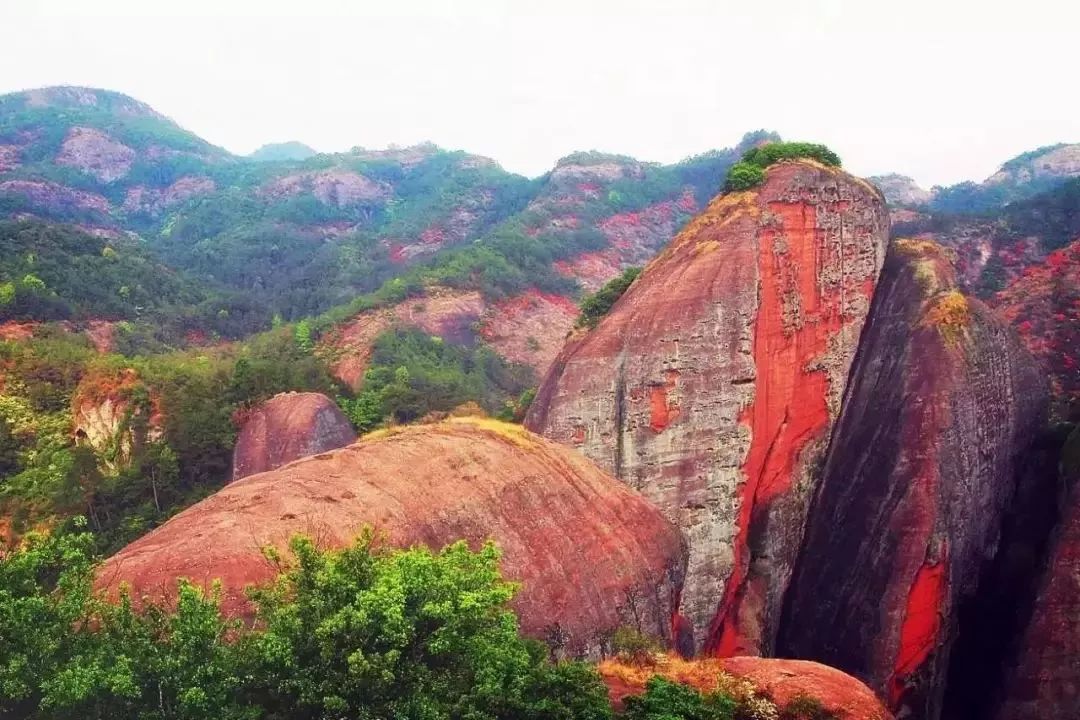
[(943, 90)]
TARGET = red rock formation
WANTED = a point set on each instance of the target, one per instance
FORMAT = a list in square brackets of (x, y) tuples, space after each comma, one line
[(942, 403), (116, 414), (48, 197), (580, 542), (779, 680), (336, 187), (712, 384), (529, 328), (1045, 679), (10, 157), (287, 427), (154, 201)]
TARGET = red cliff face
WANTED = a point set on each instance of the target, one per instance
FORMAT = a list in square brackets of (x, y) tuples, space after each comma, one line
[(941, 405), (591, 554), (712, 385), (1045, 679), (779, 681), (287, 427)]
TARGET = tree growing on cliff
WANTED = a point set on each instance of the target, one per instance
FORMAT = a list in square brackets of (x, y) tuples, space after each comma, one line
[(749, 172), (595, 306)]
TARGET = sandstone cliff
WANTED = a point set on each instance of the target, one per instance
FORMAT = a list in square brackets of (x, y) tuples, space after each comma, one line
[(712, 385), (287, 427), (942, 404), (590, 553), (116, 415)]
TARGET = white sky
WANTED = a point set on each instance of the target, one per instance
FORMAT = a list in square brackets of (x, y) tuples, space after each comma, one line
[(943, 90)]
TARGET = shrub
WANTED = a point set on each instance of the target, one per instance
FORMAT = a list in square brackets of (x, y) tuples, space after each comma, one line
[(594, 307), (667, 700), (743, 176), (635, 647), (363, 632), (749, 172), (804, 707)]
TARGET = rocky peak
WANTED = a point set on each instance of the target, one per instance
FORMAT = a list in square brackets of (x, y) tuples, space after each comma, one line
[(901, 190), (922, 466), (1054, 161), (74, 97), (283, 151), (713, 383)]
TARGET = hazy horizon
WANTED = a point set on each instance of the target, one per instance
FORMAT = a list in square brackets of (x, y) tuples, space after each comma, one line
[(940, 92)]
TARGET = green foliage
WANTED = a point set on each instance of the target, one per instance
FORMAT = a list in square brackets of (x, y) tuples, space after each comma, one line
[(126, 494), (302, 334), (667, 700), (749, 171), (595, 306), (362, 632), (412, 374), (772, 153), (743, 176), (1053, 216), (635, 647), (50, 272)]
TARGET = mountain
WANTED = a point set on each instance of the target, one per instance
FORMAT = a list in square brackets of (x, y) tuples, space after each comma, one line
[(283, 152), (901, 190), (942, 408), (1025, 175), (299, 236)]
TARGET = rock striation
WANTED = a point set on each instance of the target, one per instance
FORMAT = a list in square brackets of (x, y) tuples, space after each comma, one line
[(942, 405), (712, 385), (590, 553), (287, 427)]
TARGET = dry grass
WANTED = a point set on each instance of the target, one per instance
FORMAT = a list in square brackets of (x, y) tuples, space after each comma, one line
[(515, 434), (950, 313)]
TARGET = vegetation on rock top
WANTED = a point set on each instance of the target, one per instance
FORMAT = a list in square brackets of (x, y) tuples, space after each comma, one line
[(749, 172)]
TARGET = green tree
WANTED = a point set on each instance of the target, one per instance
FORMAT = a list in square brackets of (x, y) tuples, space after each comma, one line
[(302, 333), (667, 700), (364, 632), (595, 306)]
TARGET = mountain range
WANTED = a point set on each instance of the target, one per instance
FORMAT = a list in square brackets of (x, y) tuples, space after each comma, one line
[(845, 409)]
